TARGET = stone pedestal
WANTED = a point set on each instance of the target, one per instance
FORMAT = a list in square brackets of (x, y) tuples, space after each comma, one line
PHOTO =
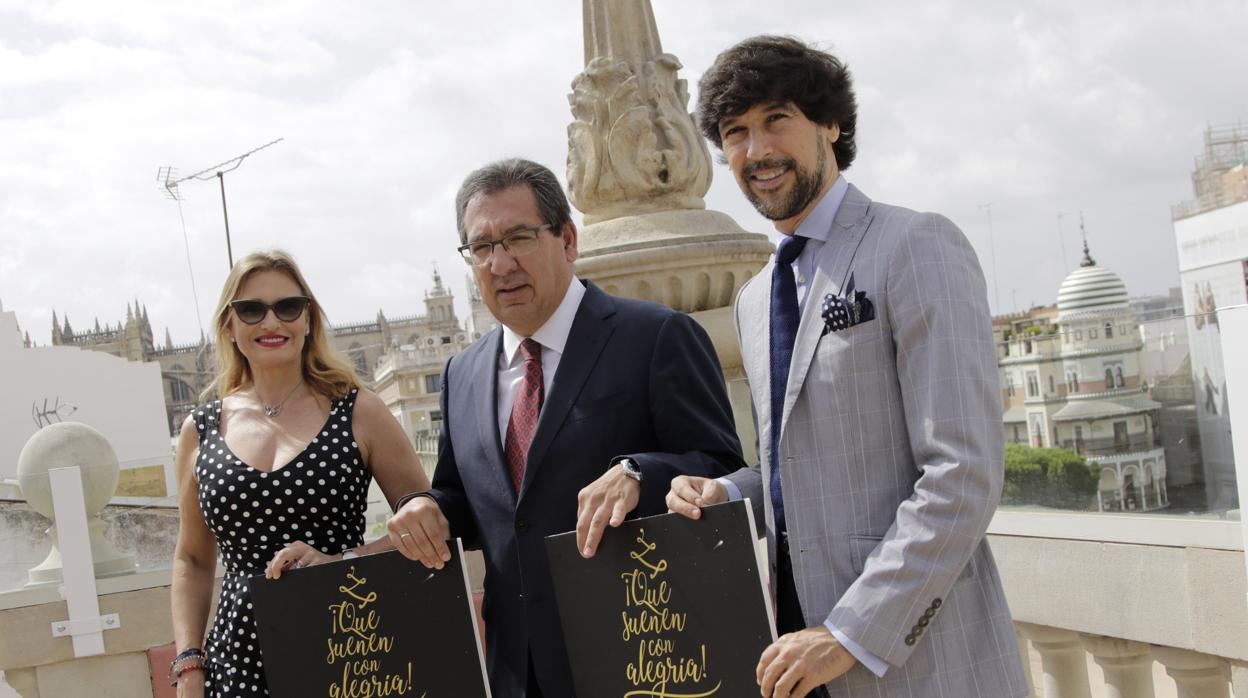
[(689, 260), (694, 261), (638, 170)]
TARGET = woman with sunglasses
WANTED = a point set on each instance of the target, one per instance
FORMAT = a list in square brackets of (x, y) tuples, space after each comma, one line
[(274, 475)]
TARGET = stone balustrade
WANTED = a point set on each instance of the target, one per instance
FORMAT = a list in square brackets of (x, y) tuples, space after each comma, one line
[(1119, 620), (1127, 669)]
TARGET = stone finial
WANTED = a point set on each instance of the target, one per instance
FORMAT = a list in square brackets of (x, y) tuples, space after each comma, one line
[(438, 288), (168, 340), (633, 147), (1087, 256), (72, 444)]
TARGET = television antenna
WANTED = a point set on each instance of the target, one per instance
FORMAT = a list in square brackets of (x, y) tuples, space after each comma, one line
[(168, 178)]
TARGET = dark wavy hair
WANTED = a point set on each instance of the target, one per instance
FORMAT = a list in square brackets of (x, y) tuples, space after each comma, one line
[(767, 69), (514, 172)]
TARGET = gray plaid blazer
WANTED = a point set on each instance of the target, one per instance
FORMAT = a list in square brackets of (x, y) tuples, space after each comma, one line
[(891, 456)]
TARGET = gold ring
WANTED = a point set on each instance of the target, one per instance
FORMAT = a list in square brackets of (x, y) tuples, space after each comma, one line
[(405, 535)]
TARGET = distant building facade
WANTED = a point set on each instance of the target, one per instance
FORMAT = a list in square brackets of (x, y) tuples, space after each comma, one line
[(390, 354), (1211, 237), (1071, 378), (120, 399)]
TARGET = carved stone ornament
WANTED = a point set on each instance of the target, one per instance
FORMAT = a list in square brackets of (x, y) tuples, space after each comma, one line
[(633, 147)]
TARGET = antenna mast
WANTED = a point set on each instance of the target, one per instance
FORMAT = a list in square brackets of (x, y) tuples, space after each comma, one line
[(166, 176), (992, 250)]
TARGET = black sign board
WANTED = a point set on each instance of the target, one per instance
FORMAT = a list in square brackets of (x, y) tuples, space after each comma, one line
[(375, 625), (668, 606)]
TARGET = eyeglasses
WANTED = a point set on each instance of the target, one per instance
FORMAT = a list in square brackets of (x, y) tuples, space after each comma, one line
[(517, 243), (286, 309)]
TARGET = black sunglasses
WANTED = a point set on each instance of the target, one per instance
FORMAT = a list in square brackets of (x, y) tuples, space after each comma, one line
[(286, 309)]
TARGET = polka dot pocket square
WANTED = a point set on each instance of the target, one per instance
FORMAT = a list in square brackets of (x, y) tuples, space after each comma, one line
[(843, 312)]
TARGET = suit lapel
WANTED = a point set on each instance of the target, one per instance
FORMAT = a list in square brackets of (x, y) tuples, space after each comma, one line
[(590, 330), (484, 379), (754, 335), (831, 271)]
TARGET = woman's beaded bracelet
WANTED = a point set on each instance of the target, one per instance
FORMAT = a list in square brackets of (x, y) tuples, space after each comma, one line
[(189, 659), (177, 675)]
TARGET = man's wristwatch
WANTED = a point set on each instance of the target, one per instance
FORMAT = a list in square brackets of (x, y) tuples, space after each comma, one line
[(631, 468)]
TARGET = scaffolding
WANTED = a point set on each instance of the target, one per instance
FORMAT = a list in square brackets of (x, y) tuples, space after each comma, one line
[(1220, 177)]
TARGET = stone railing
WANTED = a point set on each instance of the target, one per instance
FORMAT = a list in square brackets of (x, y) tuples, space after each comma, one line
[(1058, 667), (1117, 620)]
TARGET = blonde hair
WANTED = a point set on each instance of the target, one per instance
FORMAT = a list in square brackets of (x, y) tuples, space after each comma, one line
[(324, 368)]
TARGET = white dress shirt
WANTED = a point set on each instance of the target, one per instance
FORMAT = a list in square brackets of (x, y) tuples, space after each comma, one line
[(815, 228), (553, 336)]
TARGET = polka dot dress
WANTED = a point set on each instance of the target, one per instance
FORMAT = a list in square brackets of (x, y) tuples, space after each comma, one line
[(318, 498)]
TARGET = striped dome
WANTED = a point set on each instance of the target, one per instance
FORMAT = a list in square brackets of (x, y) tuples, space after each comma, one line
[(1091, 289)]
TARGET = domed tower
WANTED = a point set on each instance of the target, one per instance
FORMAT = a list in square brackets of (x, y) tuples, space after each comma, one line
[(1101, 408), (1090, 289)]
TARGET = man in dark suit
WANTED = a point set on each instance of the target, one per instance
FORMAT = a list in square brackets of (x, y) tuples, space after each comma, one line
[(578, 411)]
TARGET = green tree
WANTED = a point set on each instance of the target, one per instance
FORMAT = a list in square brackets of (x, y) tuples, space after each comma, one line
[(1051, 477)]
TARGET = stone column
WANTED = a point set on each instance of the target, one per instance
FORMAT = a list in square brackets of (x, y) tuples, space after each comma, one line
[(1128, 665), (1061, 659), (1024, 653), (1197, 675), (633, 147), (24, 681), (638, 169), (1239, 678)]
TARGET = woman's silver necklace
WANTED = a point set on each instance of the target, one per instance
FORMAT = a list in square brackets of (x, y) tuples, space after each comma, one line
[(274, 410)]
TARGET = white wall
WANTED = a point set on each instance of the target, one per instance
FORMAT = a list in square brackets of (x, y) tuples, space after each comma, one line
[(124, 400), (1213, 237), (1213, 266)]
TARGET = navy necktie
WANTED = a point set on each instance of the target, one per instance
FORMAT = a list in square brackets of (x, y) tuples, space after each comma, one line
[(784, 321)]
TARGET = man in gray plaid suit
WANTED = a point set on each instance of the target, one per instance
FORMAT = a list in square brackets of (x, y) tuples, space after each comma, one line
[(868, 348)]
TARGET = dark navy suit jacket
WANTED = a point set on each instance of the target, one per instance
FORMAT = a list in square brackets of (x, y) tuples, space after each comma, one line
[(636, 379)]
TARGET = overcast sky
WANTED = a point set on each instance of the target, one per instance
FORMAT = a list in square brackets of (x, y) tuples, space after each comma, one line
[(1037, 108)]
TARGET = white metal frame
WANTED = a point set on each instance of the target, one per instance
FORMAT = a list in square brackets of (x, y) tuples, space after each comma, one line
[(1140, 529), (1233, 322), (85, 625)]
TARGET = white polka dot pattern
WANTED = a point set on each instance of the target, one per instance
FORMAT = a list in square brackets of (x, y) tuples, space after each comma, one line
[(318, 498)]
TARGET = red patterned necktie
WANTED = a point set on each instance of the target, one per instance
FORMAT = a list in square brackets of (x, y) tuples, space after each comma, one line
[(524, 412)]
